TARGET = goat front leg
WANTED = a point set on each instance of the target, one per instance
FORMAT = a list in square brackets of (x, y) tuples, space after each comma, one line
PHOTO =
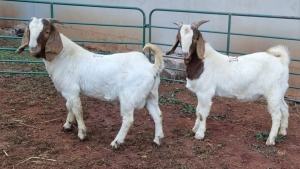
[(127, 121), (202, 112), (74, 104), (68, 126), (198, 119)]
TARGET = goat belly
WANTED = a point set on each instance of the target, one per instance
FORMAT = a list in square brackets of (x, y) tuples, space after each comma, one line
[(242, 96)]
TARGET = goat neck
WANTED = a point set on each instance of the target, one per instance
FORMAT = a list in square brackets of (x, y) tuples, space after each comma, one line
[(194, 67)]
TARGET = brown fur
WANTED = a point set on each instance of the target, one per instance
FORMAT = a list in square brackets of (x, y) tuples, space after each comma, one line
[(25, 41), (54, 44), (173, 47), (194, 67), (178, 37), (200, 47), (49, 41)]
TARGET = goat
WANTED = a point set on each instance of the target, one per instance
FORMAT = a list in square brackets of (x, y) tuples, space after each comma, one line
[(125, 77), (211, 73)]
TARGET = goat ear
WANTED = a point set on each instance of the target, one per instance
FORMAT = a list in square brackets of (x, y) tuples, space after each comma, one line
[(198, 23), (54, 45), (200, 48), (179, 24), (25, 41), (173, 47)]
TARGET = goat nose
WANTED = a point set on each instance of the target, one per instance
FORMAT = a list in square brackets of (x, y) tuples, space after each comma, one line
[(32, 48), (185, 55)]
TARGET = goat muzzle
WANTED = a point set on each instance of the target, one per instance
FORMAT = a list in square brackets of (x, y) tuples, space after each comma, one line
[(186, 56)]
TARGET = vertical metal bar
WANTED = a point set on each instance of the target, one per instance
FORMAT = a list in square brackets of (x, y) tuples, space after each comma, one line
[(228, 35), (149, 29), (149, 25), (51, 10), (144, 30)]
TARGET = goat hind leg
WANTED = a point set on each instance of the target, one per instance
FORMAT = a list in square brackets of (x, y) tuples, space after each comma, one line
[(274, 109), (127, 121), (285, 117), (153, 108)]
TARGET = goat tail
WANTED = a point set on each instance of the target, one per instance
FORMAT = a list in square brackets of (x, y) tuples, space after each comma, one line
[(158, 55), (281, 52)]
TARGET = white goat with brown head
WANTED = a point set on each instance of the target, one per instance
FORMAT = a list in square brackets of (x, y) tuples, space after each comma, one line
[(211, 73), (125, 77)]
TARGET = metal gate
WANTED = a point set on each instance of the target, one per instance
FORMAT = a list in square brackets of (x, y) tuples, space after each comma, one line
[(144, 27)]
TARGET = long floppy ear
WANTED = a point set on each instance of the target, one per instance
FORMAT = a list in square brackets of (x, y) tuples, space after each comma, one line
[(173, 47), (179, 24), (25, 41), (200, 47), (54, 44), (200, 41)]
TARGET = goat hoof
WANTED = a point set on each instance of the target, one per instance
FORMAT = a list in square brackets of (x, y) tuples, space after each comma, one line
[(115, 144), (82, 134), (156, 141), (158, 138), (270, 142), (194, 130), (68, 126), (199, 136), (67, 129), (282, 132)]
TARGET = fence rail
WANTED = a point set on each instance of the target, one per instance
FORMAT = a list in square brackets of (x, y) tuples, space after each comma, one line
[(146, 27)]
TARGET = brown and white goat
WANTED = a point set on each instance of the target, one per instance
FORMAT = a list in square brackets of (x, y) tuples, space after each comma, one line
[(211, 73), (125, 77)]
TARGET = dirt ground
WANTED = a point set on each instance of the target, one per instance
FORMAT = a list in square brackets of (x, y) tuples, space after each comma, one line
[(32, 113)]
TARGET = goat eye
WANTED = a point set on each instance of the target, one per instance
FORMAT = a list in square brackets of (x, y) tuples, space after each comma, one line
[(47, 32)]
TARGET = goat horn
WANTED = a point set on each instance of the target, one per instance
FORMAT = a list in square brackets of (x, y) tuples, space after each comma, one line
[(179, 24), (52, 21), (198, 23), (32, 19)]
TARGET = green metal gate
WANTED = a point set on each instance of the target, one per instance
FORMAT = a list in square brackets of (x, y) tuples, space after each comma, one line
[(143, 26)]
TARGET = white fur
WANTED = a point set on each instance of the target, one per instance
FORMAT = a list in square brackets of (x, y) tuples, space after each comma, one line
[(125, 77), (35, 27), (186, 36), (250, 77)]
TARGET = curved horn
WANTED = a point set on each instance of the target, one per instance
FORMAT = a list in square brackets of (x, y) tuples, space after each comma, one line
[(179, 24), (198, 23), (52, 21)]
